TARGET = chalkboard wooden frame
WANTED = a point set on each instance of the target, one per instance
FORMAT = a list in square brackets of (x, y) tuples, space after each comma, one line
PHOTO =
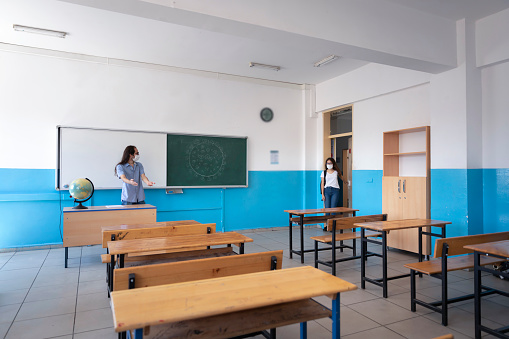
[(59, 184)]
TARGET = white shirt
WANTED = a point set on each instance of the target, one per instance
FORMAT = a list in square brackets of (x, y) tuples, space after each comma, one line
[(331, 179)]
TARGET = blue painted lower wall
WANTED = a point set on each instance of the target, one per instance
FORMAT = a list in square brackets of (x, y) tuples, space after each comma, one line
[(496, 200), (475, 201)]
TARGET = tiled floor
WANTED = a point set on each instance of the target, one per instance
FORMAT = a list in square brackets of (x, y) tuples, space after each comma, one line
[(39, 298)]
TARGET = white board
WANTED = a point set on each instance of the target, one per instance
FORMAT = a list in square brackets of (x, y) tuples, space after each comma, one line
[(93, 153)]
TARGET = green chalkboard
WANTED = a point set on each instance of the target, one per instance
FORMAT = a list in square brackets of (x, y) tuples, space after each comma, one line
[(205, 161)]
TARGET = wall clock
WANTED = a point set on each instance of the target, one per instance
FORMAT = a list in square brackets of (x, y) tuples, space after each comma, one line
[(266, 114)]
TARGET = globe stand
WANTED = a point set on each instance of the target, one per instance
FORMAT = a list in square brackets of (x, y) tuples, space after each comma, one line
[(80, 206)]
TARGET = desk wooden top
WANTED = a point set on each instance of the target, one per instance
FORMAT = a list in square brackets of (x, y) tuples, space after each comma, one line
[(175, 243), (322, 210), (142, 307), (400, 224), (110, 208), (500, 248), (156, 224)]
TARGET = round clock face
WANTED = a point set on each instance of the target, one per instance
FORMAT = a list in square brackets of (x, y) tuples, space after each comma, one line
[(266, 114)]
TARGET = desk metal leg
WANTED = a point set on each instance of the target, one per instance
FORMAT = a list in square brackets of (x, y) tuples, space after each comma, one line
[(304, 330), (66, 256), (363, 257), (336, 324), (384, 263), (302, 239), (334, 248), (112, 267), (420, 248), (477, 295), (241, 250), (291, 254), (138, 333)]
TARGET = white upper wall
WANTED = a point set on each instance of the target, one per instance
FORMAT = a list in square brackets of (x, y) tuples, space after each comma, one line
[(398, 110), (39, 93), (492, 39), (495, 120), (366, 82)]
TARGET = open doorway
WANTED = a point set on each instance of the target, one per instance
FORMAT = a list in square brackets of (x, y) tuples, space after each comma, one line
[(338, 139)]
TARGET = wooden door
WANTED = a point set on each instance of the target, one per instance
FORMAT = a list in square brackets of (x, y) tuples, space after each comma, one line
[(391, 197)]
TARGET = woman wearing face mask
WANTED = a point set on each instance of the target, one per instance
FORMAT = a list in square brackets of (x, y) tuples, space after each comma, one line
[(330, 183), (131, 172)]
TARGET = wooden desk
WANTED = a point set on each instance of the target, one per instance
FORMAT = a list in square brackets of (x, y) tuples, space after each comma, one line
[(498, 249), (137, 308), (385, 227), (83, 227), (175, 244), (316, 220)]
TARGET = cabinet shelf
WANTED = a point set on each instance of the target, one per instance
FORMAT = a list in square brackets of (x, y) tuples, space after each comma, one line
[(407, 153)]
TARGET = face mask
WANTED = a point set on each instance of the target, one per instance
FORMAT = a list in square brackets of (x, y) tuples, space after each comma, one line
[(329, 166), (136, 158)]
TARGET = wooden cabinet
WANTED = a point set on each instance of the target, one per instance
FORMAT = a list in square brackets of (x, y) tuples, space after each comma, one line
[(406, 183)]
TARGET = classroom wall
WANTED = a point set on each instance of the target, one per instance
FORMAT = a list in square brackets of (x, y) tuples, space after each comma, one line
[(495, 144), (41, 92), (467, 113)]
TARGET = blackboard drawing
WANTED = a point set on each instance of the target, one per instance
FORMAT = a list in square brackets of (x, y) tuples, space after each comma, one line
[(206, 159)]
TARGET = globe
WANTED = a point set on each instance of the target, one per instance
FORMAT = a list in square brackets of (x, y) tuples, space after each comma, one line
[(81, 190)]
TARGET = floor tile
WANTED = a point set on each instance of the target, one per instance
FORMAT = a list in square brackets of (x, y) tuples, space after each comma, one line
[(93, 320), (46, 308), (4, 327), (51, 292), (47, 327), (351, 322), (378, 333), (13, 297), (90, 287), (422, 328), (22, 274), (462, 321), (88, 302), (494, 311), (106, 333), (8, 312), (382, 311), (93, 275), (48, 279)]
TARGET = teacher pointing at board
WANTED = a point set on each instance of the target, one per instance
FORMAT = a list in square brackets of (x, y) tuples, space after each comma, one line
[(131, 172)]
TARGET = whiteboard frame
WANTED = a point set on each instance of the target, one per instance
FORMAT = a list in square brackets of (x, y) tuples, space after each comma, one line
[(59, 156)]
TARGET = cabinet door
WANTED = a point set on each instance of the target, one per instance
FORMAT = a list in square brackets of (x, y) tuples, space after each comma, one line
[(391, 197), (413, 206), (414, 196)]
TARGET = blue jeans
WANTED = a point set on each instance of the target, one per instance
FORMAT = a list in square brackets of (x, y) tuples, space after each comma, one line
[(331, 197), (133, 203)]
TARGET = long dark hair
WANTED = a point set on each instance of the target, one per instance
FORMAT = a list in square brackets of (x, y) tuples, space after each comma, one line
[(334, 165), (129, 150)]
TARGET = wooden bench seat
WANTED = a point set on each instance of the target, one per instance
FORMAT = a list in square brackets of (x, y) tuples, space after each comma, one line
[(172, 256), (239, 323), (453, 256), (347, 231), (344, 236), (453, 264)]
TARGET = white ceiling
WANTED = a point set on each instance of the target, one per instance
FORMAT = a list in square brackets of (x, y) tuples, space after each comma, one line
[(223, 36)]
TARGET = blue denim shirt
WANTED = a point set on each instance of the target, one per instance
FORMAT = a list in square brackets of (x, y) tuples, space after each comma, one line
[(132, 193)]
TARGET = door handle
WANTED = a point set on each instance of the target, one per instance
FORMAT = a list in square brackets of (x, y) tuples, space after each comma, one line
[(399, 186), (404, 186)]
